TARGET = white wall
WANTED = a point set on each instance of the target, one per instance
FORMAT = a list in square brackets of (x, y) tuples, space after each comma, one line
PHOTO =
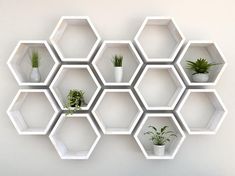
[(120, 155)]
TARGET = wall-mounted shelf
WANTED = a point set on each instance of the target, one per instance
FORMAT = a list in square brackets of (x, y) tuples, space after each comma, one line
[(159, 87), (74, 136), (117, 111), (20, 62), (75, 38), (201, 49), (159, 39), (32, 111), (104, 67), (158, 120), (78, 77), (201, 111)]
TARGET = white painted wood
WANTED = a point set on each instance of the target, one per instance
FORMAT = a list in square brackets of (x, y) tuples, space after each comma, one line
[(196, 49), (75, 38), (33, 111), (75, 136), (117, 111), (159, 39), (20, 62), (201, 111), (104, 66), (159, 87), (78, 77), (158, 120)]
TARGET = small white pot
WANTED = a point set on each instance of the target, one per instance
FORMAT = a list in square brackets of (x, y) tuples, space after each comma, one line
[(200, 77), (159, 150), (35, 75), (118, 73)]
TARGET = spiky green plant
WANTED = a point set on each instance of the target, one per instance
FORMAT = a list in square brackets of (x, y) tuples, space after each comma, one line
[(35, 59), (160, 137), (117, 60), (75, 99), (199, 66)]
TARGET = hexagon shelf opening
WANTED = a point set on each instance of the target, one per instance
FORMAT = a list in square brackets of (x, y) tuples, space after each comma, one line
[(131, 61), (159, 39), (33, 111), (20, 62), (78, 77), (75, 38), (201, 111), (159, 120), (117, 111), (202, 49), (159, 87), (74, 136)]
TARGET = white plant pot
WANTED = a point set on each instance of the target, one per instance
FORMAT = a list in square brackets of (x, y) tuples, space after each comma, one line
[(200, 77), (35, 75), (118, 73), (159, 150)]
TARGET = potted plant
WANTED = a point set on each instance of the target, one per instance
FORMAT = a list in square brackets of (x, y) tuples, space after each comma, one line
[(35, 74), (160, 138), (118, 69), (75, 99), (200, 69)]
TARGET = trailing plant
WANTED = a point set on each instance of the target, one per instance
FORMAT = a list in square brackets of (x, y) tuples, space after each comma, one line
[(199, 66), (35, 59), (75, 99), (117, 60), (160, 137)]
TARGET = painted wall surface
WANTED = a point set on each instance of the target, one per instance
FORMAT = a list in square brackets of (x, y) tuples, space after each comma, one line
[(117, 155)]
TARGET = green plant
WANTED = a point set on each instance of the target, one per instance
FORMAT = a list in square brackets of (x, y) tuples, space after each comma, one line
[(117, 60), (160, 137), (199, 66), (35, 59), (75, 99)]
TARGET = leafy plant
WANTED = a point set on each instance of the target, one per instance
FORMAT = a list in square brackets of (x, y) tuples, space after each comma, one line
[(75, 99), (117, 60), (35, 59), (160, 137), (199, 66)]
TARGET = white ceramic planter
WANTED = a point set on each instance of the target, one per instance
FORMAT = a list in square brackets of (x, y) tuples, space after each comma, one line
[(200, 77), (118, 73), (159, 150), (35, 75)]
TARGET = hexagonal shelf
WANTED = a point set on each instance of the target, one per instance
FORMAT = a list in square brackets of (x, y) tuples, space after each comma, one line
[(201, 111), (75, 38), (159, 87), (202, 49), (32, 111), (159, 39), (75, 136), (131, 61), (158, 120), (78, 77), (117, 111), (20, 62)]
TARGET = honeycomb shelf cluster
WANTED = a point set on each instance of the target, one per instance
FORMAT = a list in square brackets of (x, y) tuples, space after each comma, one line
[(156, 89)]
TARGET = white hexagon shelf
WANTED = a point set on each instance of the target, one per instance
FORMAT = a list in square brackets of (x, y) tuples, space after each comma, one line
[(117, 111), (202, 49), (104, 66), (201, 111), (158, 120), (75, 38), (20, 62), (33, 111), (75, 136), (78, 77), (159, 39), (159, 87)]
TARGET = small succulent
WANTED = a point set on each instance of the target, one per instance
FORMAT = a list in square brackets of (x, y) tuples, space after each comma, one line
[(117, 60), (35, 59), (199, 66)]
